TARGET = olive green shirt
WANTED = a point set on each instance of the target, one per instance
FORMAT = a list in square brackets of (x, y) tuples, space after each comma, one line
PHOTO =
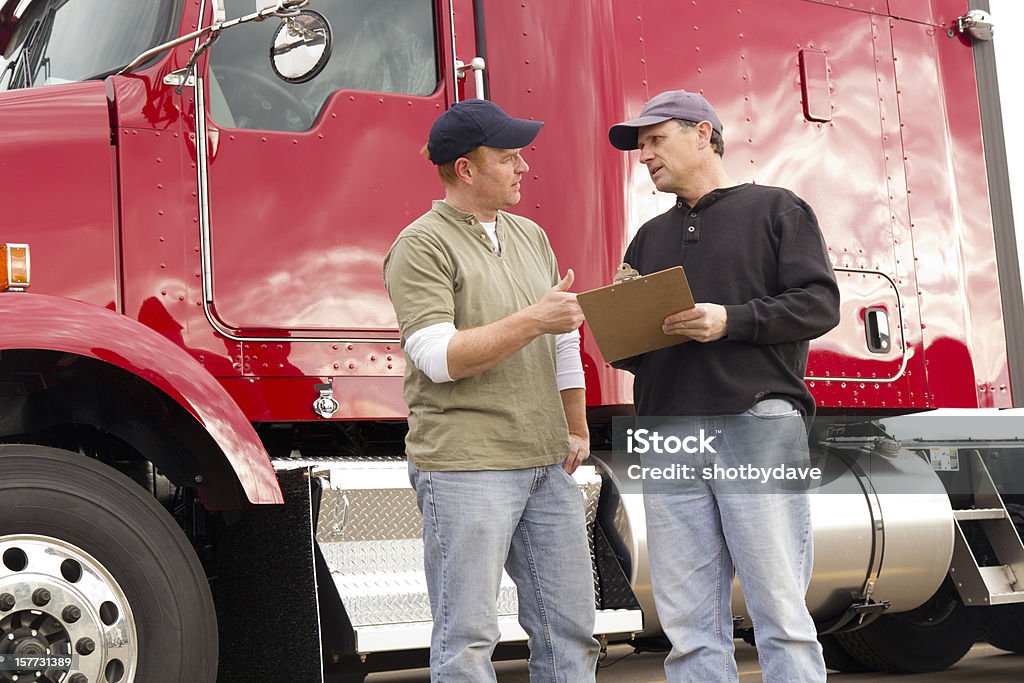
[(444, 268)]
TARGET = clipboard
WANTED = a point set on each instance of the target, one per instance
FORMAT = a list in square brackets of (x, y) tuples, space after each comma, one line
[(625, 318)]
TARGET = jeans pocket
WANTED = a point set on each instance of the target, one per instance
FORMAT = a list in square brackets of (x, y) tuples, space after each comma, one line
[(773, 409), (570, 480), (413, 473)]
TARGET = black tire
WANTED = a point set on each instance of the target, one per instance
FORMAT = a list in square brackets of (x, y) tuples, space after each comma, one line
[(933, 637), (73, 501), (837, 658), (1003, 627)]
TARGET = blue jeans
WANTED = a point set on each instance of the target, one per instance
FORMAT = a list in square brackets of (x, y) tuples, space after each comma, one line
[(530, 521), (700, 533)]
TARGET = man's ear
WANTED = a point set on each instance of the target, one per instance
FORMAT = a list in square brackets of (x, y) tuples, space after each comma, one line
[(704, 130), (464, 170)]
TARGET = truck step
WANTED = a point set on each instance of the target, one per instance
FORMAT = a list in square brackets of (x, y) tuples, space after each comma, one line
[(387, 638), (1001, 580), (979, 513), (389, 596), (369, 531)]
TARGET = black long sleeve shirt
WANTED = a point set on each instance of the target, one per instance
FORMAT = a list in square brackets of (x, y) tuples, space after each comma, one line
[(759, 252)]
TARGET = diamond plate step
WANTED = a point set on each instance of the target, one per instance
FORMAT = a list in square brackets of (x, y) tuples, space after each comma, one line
[(370, 533)]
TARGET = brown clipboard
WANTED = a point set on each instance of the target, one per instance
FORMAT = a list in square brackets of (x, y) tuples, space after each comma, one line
[(625, 318)]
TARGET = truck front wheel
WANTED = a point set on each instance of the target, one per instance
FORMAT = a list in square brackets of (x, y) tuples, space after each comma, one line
[(93, 567)]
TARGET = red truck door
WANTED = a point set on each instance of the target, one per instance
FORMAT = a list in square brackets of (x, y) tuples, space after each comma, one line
[(310, 183)]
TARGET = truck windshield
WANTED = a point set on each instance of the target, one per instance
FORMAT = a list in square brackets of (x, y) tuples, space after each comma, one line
[(65, 41)]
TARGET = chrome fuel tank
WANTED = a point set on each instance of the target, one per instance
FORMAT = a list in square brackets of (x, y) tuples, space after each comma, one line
[(883, 530)]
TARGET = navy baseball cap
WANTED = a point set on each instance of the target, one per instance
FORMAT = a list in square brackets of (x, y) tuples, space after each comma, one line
[(673, 104), (474, 123)]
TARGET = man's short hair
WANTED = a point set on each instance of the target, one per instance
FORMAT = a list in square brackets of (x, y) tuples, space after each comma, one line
[(717, 143), (447, 169)]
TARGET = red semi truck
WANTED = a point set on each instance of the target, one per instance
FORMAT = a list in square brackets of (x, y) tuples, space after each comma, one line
[(201, 418)]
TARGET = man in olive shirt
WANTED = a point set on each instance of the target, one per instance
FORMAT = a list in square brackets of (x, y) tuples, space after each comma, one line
[(497, 420)]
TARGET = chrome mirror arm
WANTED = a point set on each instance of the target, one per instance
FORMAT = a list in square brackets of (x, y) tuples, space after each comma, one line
[(191, 64), (283, 8)]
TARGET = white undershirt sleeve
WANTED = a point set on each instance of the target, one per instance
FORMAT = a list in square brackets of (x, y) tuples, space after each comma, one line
[(428, 350), (568, 364)]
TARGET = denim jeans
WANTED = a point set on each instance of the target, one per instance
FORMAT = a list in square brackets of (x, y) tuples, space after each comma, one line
[(530, 521), (700, 533)]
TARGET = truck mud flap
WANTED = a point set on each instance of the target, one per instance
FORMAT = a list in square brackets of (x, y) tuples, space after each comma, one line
[(266, 592)]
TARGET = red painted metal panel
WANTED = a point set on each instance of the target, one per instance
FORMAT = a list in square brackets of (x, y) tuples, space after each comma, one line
[(942, 13), (161, 241), (874, 6), (744, 57), (281, 358), (39, 321), (301, 221), (748, 55), (56, 171), (832, 354), (288, 399), (845, 169), (951, 220), (553, 61), (913, 392), (158, 214)]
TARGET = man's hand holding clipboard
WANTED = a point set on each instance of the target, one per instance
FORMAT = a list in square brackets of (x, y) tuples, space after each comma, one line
[(642, 314), (703, 323)]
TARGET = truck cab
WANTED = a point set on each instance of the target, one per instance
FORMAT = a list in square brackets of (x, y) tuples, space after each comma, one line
[(201, 409)]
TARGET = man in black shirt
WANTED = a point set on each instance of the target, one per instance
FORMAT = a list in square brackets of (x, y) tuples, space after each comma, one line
[(757, 264)]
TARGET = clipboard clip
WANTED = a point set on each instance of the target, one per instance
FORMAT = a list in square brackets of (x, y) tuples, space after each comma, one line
[(625, 272)]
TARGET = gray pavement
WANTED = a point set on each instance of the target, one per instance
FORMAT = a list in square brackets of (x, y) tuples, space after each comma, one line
[(983, 664)]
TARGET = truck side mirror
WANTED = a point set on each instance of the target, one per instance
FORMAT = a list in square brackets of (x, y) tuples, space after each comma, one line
[(301, 48)]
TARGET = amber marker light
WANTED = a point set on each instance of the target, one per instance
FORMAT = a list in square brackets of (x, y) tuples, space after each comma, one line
[(14, 267)]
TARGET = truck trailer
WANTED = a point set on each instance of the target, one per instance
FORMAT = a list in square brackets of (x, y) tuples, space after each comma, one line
[(202, 470)]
